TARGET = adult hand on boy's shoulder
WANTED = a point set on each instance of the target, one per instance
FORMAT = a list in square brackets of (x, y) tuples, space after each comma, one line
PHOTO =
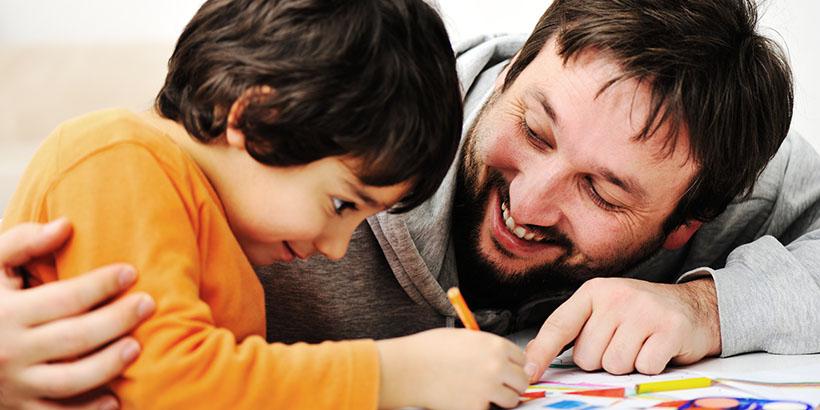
[(38, 326), (623, 325)]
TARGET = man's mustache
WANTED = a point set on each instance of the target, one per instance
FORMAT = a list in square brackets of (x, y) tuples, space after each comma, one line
[(550, 234)]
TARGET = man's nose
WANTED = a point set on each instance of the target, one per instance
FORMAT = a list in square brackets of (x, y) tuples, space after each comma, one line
[(538, 198)]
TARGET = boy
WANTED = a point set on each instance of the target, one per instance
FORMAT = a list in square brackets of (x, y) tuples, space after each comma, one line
[(281, 126)]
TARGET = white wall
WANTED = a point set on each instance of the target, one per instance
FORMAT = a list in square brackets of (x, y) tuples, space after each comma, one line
[(93, 21)]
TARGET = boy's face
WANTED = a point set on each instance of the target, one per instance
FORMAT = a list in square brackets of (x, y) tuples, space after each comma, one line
[(279, 214)]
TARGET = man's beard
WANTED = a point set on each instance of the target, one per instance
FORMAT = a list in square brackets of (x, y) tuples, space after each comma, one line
[(485, 283)]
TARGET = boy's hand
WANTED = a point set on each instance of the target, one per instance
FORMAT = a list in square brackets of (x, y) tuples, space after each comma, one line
[(451, 369), (43, 325)]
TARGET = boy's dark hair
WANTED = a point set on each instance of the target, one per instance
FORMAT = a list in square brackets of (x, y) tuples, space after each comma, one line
[(370, 79), (711, 75)]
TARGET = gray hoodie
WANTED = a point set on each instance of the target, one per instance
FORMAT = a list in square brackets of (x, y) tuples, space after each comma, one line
[(763, 253)]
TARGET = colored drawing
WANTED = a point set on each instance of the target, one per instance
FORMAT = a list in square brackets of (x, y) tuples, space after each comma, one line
[(568, 404), (616, 392), (550, 389), (531, 395), (671, 404), (678, 389), (732, 403), (715, 403)]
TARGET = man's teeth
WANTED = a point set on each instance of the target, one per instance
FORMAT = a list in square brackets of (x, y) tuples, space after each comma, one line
[(518, 230)]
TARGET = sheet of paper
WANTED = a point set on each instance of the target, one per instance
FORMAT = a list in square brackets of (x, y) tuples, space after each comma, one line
[(795, 377), (562, 378), (763, 367)]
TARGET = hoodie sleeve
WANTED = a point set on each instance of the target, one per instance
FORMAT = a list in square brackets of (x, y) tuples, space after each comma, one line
[(768, 288)]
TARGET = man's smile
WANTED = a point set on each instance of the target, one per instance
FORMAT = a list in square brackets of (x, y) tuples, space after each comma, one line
[(511, 239)]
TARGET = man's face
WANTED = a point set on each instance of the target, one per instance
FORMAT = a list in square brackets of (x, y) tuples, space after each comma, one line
[(556, 180)]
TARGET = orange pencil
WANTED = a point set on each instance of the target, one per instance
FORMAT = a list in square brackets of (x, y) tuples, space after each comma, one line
[(461, 309)]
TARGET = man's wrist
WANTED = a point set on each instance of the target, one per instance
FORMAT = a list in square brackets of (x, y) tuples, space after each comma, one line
[(703, 301)]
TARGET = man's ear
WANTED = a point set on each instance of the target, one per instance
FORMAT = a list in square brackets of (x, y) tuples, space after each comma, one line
[(681, 235), (234, 135), (499, 81)]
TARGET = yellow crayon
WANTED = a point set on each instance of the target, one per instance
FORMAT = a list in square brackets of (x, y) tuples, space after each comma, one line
[(683, 384)]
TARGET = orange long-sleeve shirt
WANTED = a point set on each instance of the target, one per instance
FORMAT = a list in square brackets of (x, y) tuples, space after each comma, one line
[(134, 196)]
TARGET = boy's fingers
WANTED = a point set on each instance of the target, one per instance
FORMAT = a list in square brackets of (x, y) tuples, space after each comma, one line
[(516, 355), (505, 397), (62, 380), (73, 296), (27, 241), (80, 334), (515, 378), (560, 328), (9, 280)]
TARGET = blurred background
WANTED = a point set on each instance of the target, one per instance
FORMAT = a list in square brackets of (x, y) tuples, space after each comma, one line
[(63, 58)]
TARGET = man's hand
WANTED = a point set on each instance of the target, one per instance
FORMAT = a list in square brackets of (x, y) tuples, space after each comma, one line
[(44, 330), (622, 325)]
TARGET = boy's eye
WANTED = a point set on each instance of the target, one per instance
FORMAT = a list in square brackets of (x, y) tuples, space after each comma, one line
[(340, 205)]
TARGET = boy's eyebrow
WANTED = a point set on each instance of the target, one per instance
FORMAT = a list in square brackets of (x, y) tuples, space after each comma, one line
[(364, 197)]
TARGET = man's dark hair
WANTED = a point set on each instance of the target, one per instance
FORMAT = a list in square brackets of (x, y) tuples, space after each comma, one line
[(369, 79), (711, 74)]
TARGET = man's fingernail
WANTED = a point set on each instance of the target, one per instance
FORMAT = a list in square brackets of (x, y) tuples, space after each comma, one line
[(145, 307), (127, 276), (129, 352), (530, 368)]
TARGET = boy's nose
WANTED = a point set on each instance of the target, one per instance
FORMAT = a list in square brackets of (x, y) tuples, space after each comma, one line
[(333, 248)]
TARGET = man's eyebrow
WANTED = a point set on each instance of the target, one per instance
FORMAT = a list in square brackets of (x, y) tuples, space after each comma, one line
[(542, 99), (629, 185), (364, 197)]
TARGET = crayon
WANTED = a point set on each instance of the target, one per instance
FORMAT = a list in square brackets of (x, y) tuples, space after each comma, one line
[(669, 385), (461, 309)]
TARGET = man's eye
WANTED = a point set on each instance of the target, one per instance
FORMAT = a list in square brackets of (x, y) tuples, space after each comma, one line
[(340, 205), (534, 138), (597, 198)]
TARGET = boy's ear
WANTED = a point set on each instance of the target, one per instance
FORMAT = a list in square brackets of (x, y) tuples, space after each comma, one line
[(499, 81), (234, 135), (681, 235)]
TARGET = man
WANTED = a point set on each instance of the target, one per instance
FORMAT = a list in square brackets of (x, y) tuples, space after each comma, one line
[(615, 145), (600, 197)]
